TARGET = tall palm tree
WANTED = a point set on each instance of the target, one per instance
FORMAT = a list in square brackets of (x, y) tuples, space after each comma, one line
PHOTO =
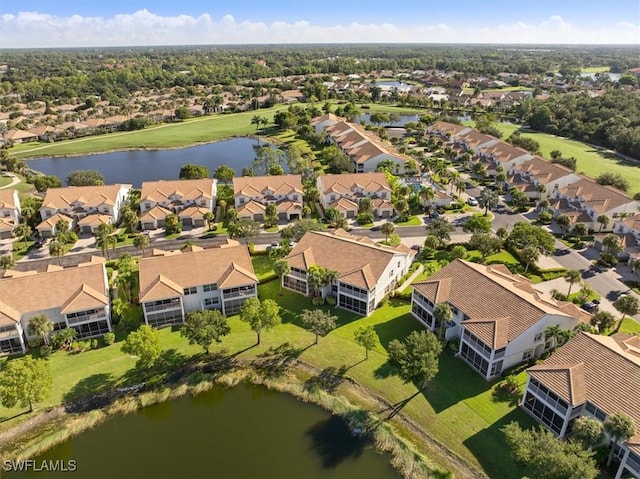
[(23, 231), (56, 248), (488, 200), (572, 276), (603, 221), (619, 427), (141, 241), (104, 238), (553, 333), (387, 229), (41, 326)]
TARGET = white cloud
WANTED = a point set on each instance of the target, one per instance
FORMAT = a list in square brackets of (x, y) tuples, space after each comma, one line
[(34, 29)]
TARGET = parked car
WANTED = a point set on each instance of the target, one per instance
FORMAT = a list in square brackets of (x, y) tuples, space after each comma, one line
[(272, 246), (472, 201), (416, 247), (375, 228), (591, 306)]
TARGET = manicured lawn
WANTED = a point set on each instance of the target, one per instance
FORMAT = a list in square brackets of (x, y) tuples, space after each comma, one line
[(596, 69), (412, 221), (630, 326), (167, 135), (263, 267), (19, 248), (400, 110), (458, 408), (503, 257), (511, 88), (592, 161), (5, 180)]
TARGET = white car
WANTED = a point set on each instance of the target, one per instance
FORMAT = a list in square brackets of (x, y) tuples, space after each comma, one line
[(472, 201)]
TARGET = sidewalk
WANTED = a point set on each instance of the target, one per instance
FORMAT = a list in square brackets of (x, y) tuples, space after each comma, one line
[(410, 279)]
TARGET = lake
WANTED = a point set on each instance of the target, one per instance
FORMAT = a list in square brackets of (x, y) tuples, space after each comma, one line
[(136, 166), (245, 432)]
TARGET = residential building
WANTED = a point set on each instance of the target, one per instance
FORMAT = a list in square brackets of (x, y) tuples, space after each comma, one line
[(365, 149), (366, 270), (594, 376), (344, 193), (76, 297), (447, 130), (252, 195), (173, 283), (502, 154), (540, 171), (47, 227), (499, 317), (9, 212), (189, 199), (88, 206), (321, 122)]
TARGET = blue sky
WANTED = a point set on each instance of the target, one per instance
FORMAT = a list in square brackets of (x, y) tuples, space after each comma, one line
[(121, 22)]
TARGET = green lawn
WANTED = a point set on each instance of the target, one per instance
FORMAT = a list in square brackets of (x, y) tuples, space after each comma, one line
[(630, 326), (5, 180), (263, 267), (166, 135), (459, 409), (412, 221), (19, 248), (601, 69)]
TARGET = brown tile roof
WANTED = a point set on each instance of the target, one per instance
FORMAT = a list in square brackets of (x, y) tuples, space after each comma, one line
[(157, 191), (164, 276), (73, 289), (251, 208), (344, 204), (632, 223), (157, 212), (18, 135), (358, 261), (504, 152), (51, 221), (474, 139), (513, 298), (329, 116), (493, 332), (600, 198), (7, 199), (607, 367), (368, 182), (446, 128), (89, 196), (261, 185), (7, 224), (94, 219), (542, 170), (194, 212)]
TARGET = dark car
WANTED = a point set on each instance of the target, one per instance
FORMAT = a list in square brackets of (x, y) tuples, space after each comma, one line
[(38, 244), (375, 228), (591, 306), (416, 247)]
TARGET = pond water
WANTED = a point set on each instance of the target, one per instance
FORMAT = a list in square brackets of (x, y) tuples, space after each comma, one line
[(136, 166), (614, 77), (366, 119), (245, 432)]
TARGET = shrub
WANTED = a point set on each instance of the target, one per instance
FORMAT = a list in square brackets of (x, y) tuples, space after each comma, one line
[(108, 339), (317, 301), (64, 338), (35, 342), (331, 300), (45, 350), (93, 344), (129, 323)]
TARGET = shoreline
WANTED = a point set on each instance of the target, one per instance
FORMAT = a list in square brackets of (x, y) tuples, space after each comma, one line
[(397, 437)]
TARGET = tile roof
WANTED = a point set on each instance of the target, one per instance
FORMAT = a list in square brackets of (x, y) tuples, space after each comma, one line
[(504, 152), (368, 182), (358, 260), (8, 199), (604, 370), (514, 307), (155, 213), (194, 211), (94, 219), (169, 273), (320, 119), (344, 204), (51, 221), (7, 224), (542, 170), (74, 289), (87, 196), (475, 139), (447, 128), (600, 198), (157, 191), (259, 185), (633, 223), (251, 208)]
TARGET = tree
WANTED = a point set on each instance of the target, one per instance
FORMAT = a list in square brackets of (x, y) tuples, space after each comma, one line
[(7, 262), (64, 338), (626, 304), (402, 208), (603, 221), (271, 215), (614, 179), (128, 217), (367, 338), (336, 160), (580, 230), (281, 268), (619, 427), (572, 276), (477, 224), (141, 242), (387, 229), (244, 228), (104, 238), (319, 277), (547, 457), (172, 224), (603, 320), (563, 222), (488, 200), (458, 252), (43, 182), (612, 244), (145, 344), (204, 327), (85, 178), (486, 243), (57, 249), (588, 431), (25, 381), (442, 314), (193, 172), (319, 322), (441, 229), (124, 279), (224, 173), (525, 235), (40, 325), (365, 205), (416, 358), (296, 230), (23, 231), (261, 315)]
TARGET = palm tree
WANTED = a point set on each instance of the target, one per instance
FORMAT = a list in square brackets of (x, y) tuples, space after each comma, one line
[(553, 333), (541, 189), (256, 120), (141, 242), (56, 248), (209, 217), (104, 238), (603, 221), (41, 326), (619, 427), (281, 268), (23, 231), (563, 222), (626, 304), (7, 262), (572, 276), (427, 194), (442, 314), (488, 200), (387, 229)]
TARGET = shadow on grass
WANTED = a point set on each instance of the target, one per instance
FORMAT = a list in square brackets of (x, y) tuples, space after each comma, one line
[(394, 409), (275, 361), (397, 328), (91, 385), (384, 371), (490, 448), (220, 363), (502, 394), (9, 418), (332, 441), (329, 379)]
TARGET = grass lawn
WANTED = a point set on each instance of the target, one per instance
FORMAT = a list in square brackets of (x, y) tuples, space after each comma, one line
[(592, 161), (503, 257), (400, 110), (263, 266), (458, 408), (412, 221), (630, 326), (20, 250), (166, 135), (5, 180), (596, 69), (288, 137)]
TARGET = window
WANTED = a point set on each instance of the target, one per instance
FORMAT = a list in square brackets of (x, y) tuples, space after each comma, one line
[(398, 264), (391, 274), (191, 290), (333, 197), (210, 303), (210, 287), (294, 197), (527, 355), (538, 337), (241, 199)]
